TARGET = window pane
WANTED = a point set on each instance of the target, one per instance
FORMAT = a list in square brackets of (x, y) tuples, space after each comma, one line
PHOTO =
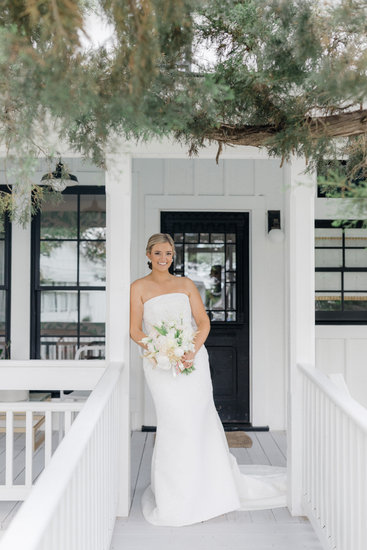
[(204, 265), (91, 341), (214, 298), (2, 262), (355, 281), (218, 316), (58, 348), (231, 316), (217, 238), (92, 313), (59, 312), (178, 261), (178, 237), (328, 281), (231, 296), (58, 263), (2, 311), (4, 348), (230, 276), (355, 302), (356, 257), (191, 237), (59, 219), (92, 216), (231, 237), (92, 263), (356, 237), (328, 302), (328, 257), (204, 237), (231, 257), (328, 236)]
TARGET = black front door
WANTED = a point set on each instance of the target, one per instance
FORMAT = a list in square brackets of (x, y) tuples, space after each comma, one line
[(213, 250)]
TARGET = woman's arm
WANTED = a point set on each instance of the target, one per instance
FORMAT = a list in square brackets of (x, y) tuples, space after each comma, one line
[(136, 315), (201, 319)]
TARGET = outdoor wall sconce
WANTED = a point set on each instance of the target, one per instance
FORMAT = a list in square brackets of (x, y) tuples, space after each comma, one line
[(60, 178), (275, 232)]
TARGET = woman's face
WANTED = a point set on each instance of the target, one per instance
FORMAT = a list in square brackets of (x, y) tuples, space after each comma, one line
[(161, 256)]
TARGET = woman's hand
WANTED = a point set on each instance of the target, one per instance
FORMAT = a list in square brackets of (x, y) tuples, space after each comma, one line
[(188, 359)]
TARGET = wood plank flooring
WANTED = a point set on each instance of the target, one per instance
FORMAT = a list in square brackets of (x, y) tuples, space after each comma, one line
[(259, 530), (8, 509)]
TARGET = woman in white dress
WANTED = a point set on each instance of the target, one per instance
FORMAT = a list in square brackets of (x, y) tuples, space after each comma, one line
[(194, 477)]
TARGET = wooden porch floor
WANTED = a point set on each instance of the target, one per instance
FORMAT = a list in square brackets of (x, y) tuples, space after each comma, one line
[(260, 530), (8, 509)]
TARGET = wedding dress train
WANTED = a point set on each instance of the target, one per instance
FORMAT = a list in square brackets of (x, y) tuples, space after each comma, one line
[(194, 477)]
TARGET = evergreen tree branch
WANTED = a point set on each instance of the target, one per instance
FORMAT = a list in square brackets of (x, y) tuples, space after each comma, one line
[(341, 125)]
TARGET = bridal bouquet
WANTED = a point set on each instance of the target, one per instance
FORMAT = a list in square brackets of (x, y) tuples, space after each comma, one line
[(167, 343)]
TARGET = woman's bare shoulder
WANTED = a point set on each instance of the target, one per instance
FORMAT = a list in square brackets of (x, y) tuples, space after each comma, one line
[(188, 284), (139, 284), (141, 281)]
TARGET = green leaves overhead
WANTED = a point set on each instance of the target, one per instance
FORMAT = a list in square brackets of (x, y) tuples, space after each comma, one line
[(288, 75)]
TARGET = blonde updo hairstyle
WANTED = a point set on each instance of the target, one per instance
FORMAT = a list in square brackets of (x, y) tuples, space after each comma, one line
[(158, 238)]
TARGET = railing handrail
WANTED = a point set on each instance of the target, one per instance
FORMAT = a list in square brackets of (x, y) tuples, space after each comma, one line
[(42, 502), (30, 363), (42, 406), (52, 375), (350, 406)]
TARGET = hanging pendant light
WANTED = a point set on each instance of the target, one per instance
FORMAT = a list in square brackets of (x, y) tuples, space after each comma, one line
[(60, 178)]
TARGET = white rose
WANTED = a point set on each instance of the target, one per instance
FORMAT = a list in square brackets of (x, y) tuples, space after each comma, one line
[(163, 362), (179, 352), (170, 343)]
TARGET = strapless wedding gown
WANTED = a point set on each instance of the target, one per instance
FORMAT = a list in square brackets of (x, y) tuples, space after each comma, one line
[(194, 477)]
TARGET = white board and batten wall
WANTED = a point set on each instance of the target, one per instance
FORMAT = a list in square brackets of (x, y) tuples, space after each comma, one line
[(247, 185), (342, 348)]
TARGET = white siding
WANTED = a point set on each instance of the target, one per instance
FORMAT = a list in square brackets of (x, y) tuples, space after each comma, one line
[(343, 349)]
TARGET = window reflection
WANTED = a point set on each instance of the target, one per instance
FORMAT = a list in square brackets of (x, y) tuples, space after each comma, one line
[(211, 264), (59, 218), (92, 217), (58, 263), (92, 263), (92, 313)]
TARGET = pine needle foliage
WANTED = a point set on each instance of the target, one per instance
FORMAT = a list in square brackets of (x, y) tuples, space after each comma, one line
[(287, 75)]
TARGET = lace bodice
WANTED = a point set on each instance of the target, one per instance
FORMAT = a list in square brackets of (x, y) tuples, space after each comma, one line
[(167, 307)]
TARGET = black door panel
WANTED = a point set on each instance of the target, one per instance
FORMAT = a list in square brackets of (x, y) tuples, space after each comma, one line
[(213, 250)]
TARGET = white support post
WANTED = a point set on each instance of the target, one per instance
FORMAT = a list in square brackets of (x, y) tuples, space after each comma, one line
[(118, 191), (300, 273)]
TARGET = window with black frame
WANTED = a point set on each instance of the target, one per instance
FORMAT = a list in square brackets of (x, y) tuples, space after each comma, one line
[(69, 274), (341, 273), (5, 266)]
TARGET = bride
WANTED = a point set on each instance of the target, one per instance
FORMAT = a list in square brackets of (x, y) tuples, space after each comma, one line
[(194, 477)]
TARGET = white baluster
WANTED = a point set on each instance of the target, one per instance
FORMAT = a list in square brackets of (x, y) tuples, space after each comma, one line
[(9, 442), (67, 421), (48, 437), (29, 444)]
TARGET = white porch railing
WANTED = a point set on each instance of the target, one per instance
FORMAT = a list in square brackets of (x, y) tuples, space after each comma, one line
[(32, 415), (74, 502), (334, 462)]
